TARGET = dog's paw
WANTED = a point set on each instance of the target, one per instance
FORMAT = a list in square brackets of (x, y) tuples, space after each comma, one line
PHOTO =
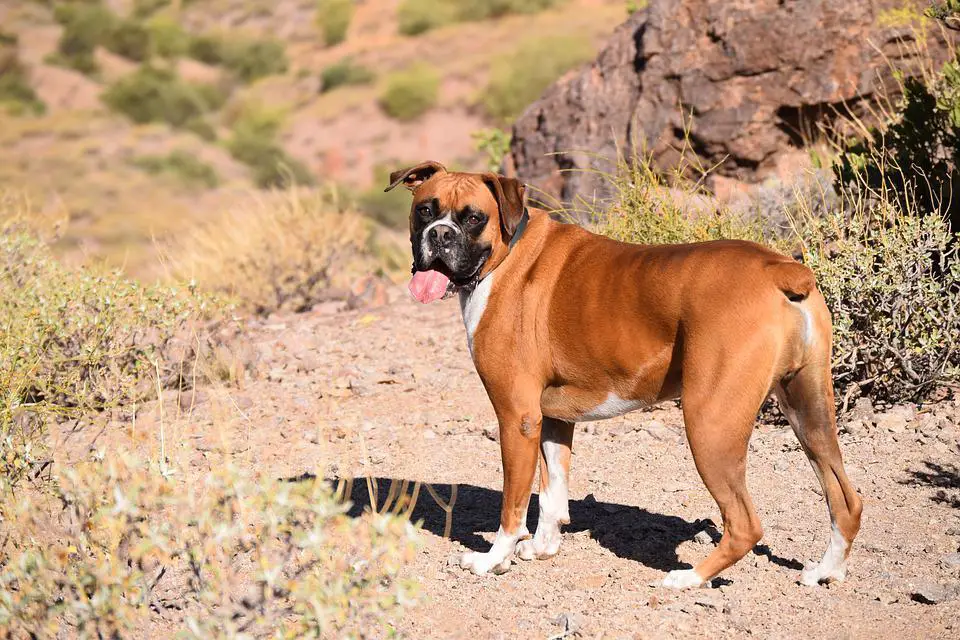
[(683, 579), (537, 549), (482, 563), (812, 575)]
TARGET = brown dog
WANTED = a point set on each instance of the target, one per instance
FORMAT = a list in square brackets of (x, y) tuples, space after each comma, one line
[(565, 325)]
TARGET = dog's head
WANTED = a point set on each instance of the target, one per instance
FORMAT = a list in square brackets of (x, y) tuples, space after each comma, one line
[(460, 225)]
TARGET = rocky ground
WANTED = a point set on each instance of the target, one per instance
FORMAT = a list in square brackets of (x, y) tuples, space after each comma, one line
[(391, 393)]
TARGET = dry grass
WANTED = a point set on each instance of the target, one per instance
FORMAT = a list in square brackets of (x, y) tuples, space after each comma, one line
[(286, 251)]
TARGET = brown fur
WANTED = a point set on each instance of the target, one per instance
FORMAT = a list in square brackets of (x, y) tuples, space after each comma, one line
[(573, 316)]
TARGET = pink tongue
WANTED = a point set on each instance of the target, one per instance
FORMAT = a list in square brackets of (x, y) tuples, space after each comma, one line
[(428, 286)]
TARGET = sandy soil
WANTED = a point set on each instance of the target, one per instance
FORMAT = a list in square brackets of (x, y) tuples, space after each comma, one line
[(391, 393)]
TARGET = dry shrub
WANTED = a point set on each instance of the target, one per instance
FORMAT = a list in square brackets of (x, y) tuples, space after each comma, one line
[(286, 251), (123, 532), (647, 207), (891, 277)]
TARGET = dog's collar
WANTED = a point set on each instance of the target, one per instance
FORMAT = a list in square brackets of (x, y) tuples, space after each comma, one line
[(521, 227)]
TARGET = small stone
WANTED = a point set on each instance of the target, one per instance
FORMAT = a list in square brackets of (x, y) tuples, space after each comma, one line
[(896, 419), (702, 537), (932, 593), (569, 622), (709, 600), (429, 435), (950, 561)]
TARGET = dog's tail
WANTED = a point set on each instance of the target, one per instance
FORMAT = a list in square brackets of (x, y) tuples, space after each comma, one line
[(795, 280)]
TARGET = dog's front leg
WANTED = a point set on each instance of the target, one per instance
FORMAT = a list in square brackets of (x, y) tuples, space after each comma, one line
[(555, 442), (520, 427)]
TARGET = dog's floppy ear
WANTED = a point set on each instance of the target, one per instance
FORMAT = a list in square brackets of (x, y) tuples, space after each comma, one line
[(509, 195), (413, 177)]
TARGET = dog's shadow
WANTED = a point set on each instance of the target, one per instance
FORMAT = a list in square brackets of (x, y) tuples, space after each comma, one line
[(628, 531)]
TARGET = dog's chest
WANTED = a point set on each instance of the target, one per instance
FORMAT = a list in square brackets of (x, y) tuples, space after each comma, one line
[(473, 303)]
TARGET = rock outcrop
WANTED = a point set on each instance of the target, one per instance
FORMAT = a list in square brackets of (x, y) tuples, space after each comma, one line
[(743, 81)]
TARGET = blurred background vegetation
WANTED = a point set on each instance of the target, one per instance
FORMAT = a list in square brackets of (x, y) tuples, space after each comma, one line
[(136, 118)]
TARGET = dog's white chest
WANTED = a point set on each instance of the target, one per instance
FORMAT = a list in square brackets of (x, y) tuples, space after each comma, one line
[(472, 304)]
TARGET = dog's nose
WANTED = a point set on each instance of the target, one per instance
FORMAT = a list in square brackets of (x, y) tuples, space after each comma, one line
[(441, 235)]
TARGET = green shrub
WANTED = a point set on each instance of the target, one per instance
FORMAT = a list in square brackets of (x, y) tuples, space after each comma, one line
[(388, 208), (85, 27), (647, 207), (167, 37), (254, 143), (519, 78), (278, 557), (410, 93), (151, 94), (419, 16), (915, 153), (468, 10), (183, 165), (495, 143), (16, 94), (248, 59), (130, 39), (333, 18), (891, 278), (344, 73)]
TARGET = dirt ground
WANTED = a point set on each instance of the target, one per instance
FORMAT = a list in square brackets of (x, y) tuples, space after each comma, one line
[(391, 393)]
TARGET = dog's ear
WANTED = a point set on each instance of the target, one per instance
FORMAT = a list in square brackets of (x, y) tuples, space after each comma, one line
[(413, 177), (508, 193)]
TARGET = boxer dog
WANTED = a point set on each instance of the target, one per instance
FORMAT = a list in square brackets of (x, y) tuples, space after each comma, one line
[(565, 326)]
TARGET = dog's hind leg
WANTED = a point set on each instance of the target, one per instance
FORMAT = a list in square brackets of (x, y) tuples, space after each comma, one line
[(556, 438), (807, 401), (720, 406)]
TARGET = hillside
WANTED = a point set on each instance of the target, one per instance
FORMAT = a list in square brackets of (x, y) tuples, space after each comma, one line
[(228, 96)]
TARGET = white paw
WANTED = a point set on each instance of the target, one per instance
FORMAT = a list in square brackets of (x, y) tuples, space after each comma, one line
[(683, 579), (538, 549), (811, 576), (483, 563)]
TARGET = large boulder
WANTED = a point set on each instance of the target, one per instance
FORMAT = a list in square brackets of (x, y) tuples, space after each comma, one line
[(744, 82)]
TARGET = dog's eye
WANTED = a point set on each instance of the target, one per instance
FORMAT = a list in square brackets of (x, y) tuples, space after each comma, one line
[(424, 212), (474, 219)]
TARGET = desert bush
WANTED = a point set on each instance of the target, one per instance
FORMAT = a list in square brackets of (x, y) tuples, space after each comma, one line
[(254, 143), (152, 94), (418, 16), (519, 78), (388, 208), (185, 166), (81, 338), (16, 94), (248, 59), (344, 73), (495, 144), (131, 39), (168, 39), (77, 341), (333, 18), (410, 93), (468, 10), (913, 154), (891, 277), (647, 207), (285, 251), (85, 27), (124, 529)]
